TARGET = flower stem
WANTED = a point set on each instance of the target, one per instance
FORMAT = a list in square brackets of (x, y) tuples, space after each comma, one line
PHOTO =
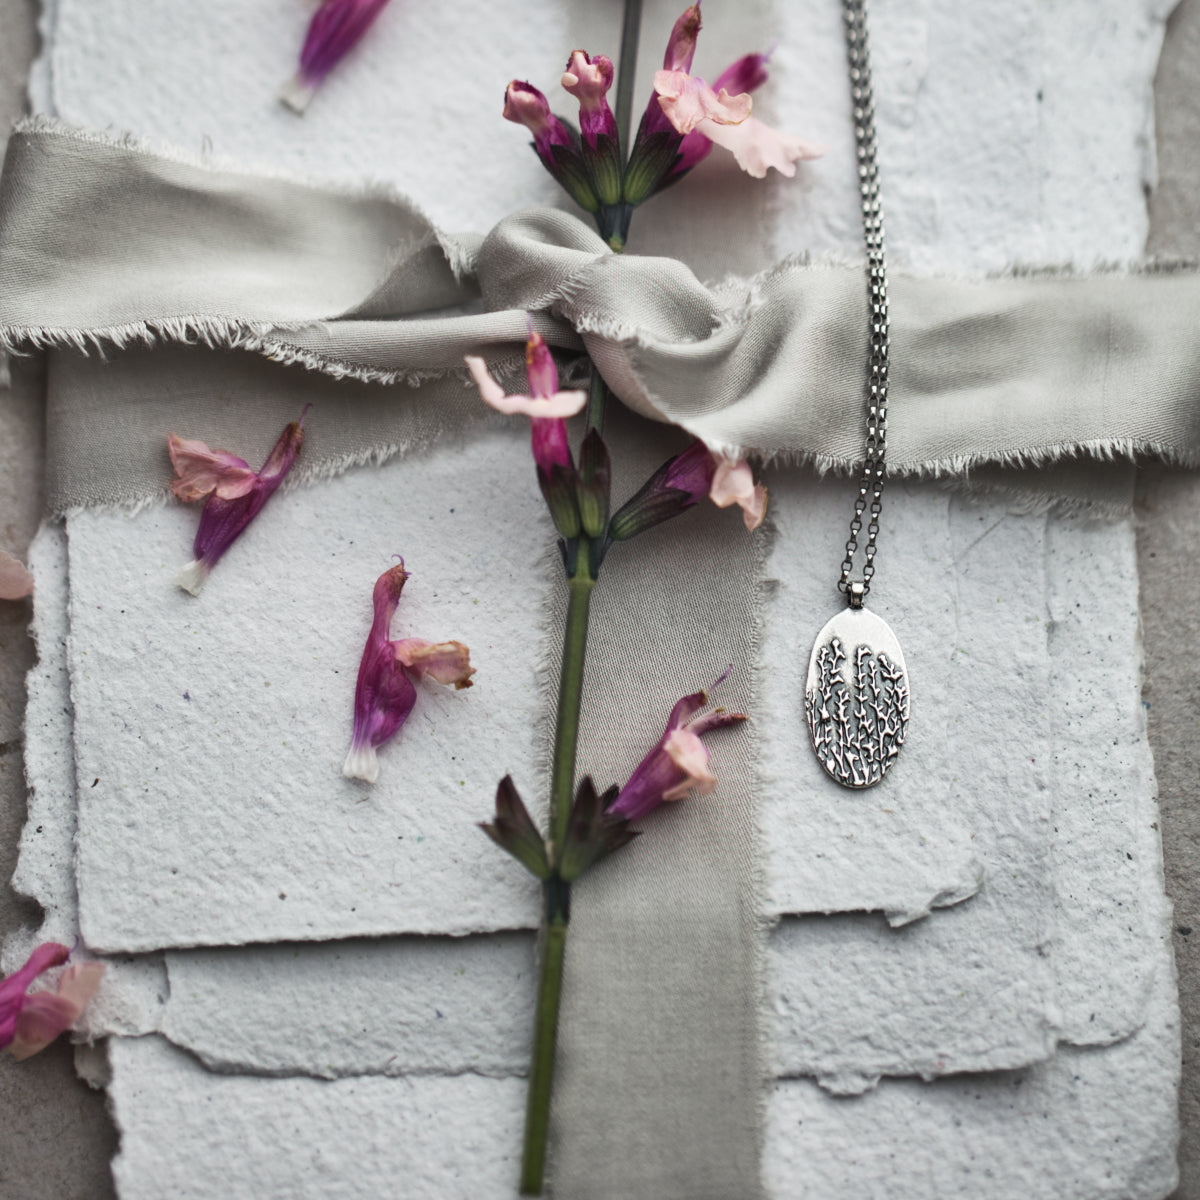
[(541, 1066), (570, 693), (631, 28)]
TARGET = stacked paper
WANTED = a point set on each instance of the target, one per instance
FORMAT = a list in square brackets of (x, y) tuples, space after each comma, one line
[(970, 989)]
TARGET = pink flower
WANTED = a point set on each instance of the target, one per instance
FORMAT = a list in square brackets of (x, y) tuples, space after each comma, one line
[(30, 1023), (335, 29), (15, 580), (685, 480), (588, 80), (525, 105), (546, 407), (386, 691), (677, 764), (233, 494), (720, 114)]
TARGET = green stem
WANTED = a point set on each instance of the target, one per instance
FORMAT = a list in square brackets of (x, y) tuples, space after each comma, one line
[(570, 694), (541, 1066), (631, 28)]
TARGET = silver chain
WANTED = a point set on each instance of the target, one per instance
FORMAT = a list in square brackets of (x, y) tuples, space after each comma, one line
[(870, 488)]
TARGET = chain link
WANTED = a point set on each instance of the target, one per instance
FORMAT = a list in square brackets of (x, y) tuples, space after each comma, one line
[(870, 489)]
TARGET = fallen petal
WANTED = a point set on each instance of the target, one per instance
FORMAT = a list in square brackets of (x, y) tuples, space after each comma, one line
[(15, 580), (203, 471), (45, 1015)]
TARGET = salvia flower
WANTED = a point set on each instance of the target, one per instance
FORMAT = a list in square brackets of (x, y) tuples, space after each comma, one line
[(546, 407), (684, 481), (388, 674), (233, 494), (335, 29), (588, 80), (678, 763), (29, 1023)]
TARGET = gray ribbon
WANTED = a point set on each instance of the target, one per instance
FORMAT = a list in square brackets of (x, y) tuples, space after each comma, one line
[(106, 243)]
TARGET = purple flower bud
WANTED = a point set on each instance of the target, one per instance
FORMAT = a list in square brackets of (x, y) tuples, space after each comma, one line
[(235, 494), (525, 105), (588, 80), (335, 29)]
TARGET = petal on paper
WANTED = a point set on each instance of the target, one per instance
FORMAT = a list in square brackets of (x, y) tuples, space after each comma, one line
[(15, 580), (687, 752), (447, 662), (757, 146), (45, 1015), (202, 471), (687, 100)]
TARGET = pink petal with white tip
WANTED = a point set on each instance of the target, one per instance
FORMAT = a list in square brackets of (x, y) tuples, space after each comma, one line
[(687, 100), (757, 147)]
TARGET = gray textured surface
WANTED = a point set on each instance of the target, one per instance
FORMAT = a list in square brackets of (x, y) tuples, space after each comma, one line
[(1169, 531), (54, 1141)]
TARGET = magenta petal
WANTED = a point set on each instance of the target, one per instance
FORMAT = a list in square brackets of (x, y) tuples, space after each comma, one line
[(746, 75), (223, 520), (336, 28), (550, 444), (525, 105), (681, 45), (14, 986)]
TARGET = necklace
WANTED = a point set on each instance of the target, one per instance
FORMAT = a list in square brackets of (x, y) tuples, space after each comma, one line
[(856, 697)]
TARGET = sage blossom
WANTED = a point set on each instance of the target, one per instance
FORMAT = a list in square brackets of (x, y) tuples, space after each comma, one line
[(335, 29), (388, 673), (232, 492), (29, 1023), (684, 481), (678, 762), (718, 114), (546, 407)]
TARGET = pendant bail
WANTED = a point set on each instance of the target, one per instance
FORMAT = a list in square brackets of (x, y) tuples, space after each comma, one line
[(856, 592)]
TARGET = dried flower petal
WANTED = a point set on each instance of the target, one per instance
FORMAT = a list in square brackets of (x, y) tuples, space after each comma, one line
[(30, 1023), (233, 501), (385, 692), (335, 29), (588, 80)]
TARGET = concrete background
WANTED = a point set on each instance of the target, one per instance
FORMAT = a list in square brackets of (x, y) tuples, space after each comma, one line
[(55, 1138)]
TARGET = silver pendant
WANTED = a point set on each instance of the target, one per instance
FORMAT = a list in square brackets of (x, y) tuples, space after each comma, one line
[(856, 698)]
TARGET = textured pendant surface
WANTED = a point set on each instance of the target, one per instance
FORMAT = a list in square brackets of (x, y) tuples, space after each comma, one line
[(856, 698)]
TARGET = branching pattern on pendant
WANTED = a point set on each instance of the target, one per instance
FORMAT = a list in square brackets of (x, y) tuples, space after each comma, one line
[(857, 729)]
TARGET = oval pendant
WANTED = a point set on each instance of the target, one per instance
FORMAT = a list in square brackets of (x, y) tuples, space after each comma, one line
[(856, 698)]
